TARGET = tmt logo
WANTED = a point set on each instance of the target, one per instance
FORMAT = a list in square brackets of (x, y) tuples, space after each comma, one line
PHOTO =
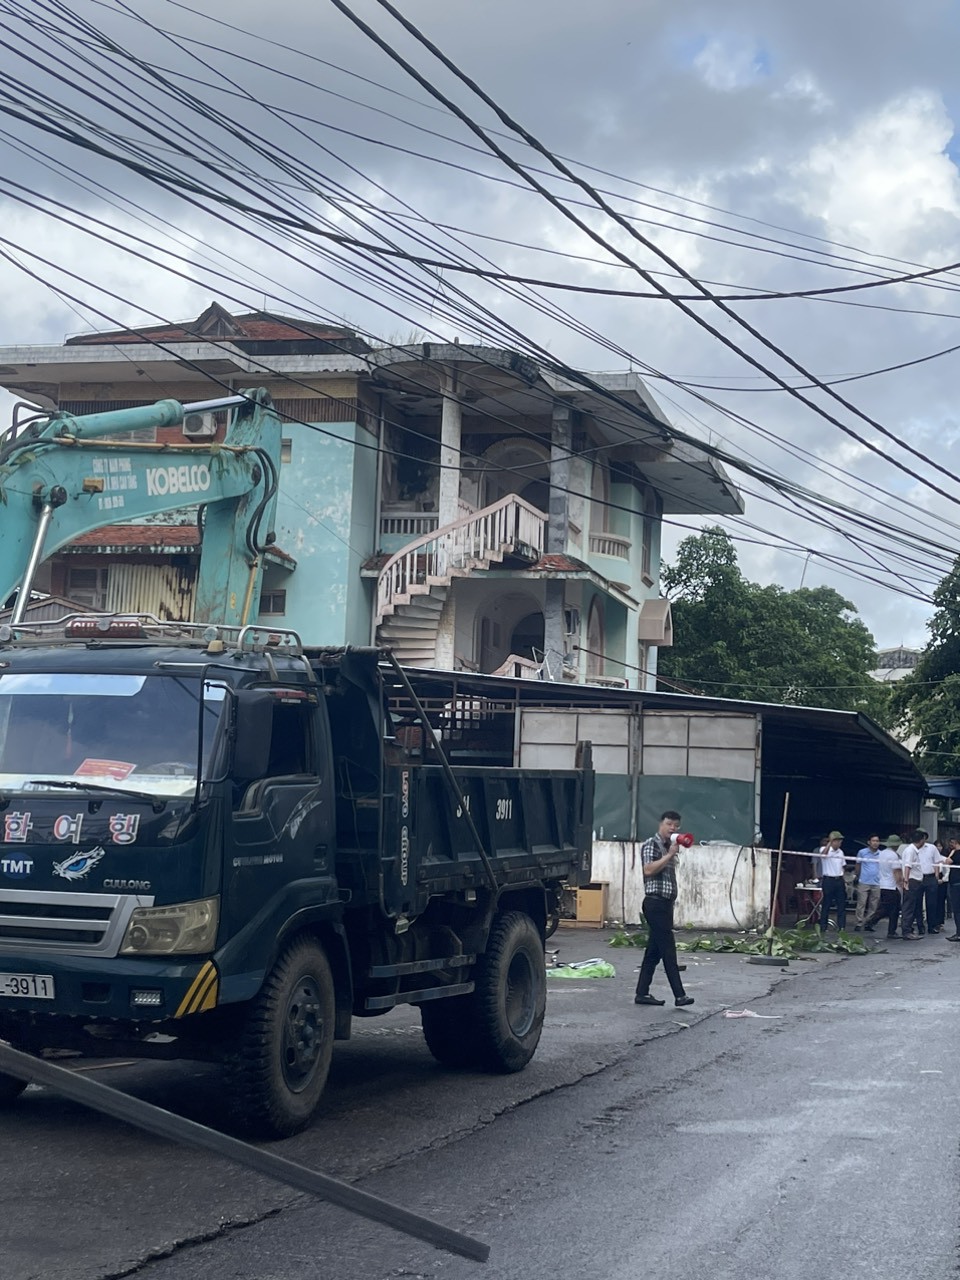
[(17, 868)]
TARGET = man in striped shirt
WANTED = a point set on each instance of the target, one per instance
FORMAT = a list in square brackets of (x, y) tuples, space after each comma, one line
[(659, 858)]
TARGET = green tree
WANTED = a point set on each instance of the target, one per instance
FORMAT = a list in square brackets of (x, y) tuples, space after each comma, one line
[(926, 703), (736, 639)]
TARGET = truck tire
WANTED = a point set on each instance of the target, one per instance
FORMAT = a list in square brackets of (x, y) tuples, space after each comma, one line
[(510, 995), (10, 1089), (448, 1030), (279, 1068)]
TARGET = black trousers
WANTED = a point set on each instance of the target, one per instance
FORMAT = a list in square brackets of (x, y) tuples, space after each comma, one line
[(834, 894), (889, 910), (931, 899), (911, 907), (954, 890), (658, 913)]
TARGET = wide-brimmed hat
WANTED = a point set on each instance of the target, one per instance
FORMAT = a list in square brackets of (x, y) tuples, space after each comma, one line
[(893, 840)]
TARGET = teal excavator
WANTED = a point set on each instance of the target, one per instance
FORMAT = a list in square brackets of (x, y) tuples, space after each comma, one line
[(63, 475)]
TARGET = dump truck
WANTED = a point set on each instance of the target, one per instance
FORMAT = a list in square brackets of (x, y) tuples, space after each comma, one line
[(222, 844)]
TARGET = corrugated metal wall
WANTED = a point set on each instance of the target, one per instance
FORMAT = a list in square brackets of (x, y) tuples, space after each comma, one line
[(165, 590)]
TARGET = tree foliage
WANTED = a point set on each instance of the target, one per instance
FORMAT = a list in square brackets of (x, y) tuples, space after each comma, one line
[(736, 639), (927, 702)]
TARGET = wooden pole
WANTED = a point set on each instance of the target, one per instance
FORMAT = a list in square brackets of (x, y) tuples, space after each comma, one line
[(776, 883)]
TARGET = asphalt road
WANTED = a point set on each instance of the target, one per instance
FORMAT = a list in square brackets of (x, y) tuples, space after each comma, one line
[(639, 1141)]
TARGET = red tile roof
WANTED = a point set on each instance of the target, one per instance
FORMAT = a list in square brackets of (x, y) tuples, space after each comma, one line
[(257, 326), (560, 564), (154, 537), (140, 535)]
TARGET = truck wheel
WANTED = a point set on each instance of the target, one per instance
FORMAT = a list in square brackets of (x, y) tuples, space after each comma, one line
[(511, 994), (10, 1089), (448, 1030), (280, 1065)]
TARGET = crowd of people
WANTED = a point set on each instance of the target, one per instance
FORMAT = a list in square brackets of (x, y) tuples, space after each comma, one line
[(912, 884)]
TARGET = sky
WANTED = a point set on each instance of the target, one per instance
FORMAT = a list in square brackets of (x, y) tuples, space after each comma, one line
[(768, 147)]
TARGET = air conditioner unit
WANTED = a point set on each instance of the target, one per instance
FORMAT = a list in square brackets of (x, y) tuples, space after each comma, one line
[(200, 426)]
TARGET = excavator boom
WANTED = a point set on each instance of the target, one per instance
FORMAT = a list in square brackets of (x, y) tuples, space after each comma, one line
[(67, 475)]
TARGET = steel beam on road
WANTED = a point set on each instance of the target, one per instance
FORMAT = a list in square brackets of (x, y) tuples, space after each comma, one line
[(144, 1115)]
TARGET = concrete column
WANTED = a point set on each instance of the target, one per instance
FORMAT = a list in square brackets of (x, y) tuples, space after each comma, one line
[(554, 629), (561, 440), (558, 530), (450, 427)]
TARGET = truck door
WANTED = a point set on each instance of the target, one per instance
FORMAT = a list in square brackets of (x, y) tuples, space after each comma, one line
[(281, 828)]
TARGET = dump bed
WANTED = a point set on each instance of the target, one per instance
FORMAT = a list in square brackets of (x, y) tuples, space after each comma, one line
[(424, 806)]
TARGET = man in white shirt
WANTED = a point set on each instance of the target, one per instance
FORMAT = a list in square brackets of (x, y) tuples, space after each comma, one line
[(912, 882), (890, 872), (930, 859), (832, 884)]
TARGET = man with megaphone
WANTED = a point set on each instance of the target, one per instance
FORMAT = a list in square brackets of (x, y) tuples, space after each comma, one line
[(659, 858)]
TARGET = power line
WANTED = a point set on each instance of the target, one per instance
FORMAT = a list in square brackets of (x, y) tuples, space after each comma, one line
[(607, 209)]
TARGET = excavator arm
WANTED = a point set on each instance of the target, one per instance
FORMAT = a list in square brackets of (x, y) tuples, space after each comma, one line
[(64, 476)]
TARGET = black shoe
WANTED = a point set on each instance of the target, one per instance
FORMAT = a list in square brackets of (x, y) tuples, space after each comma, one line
[(934, 931), (682, 968), (954, 937), (647, 1000), (895, 935), (683, 1000), (856, 928), (868, 928)]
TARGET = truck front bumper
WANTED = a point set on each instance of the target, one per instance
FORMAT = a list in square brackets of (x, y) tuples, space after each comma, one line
[(143, 989)]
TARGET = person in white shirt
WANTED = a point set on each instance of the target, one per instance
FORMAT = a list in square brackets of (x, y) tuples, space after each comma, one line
[(912, 882), (890, 870), (832, 884), (930, 858)]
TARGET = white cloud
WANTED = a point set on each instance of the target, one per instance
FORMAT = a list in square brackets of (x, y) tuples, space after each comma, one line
[(726, 65)]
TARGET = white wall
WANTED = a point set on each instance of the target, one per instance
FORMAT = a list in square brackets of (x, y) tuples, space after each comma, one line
[(708, 877)]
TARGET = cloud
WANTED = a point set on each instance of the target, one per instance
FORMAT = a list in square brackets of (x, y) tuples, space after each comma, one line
[(825, 131)]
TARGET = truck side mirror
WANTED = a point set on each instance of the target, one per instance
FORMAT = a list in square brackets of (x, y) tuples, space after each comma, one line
[(253, 733)]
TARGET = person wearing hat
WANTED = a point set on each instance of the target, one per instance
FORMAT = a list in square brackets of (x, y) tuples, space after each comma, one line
[(832, 884), (890, 871)]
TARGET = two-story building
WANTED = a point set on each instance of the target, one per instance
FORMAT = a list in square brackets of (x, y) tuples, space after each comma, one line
[(462, 504)]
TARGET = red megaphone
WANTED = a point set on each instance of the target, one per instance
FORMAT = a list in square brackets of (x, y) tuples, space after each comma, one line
[(686, 839)]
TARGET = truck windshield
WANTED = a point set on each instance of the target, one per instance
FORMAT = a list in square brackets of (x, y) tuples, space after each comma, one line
[(137, 731)]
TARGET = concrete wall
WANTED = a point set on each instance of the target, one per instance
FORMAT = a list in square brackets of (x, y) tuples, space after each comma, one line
[(709, 877)]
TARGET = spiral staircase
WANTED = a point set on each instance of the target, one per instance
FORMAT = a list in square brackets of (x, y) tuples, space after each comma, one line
[(414, 584)]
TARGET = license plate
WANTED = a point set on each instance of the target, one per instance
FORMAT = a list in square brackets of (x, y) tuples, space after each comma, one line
[(27, 986)]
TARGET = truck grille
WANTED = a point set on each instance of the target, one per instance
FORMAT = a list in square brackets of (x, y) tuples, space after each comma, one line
[(78, 924)]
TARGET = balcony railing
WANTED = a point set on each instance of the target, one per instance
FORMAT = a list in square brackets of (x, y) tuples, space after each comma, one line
[(472, 542), (610, 544)]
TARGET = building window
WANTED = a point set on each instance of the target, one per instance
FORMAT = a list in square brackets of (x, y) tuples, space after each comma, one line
[(286, 449), (88, 586), (652, 511), (599, 498), (595, 641), (273, 604)]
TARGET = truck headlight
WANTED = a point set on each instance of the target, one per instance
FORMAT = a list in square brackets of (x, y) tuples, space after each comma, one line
[(186, 926)]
